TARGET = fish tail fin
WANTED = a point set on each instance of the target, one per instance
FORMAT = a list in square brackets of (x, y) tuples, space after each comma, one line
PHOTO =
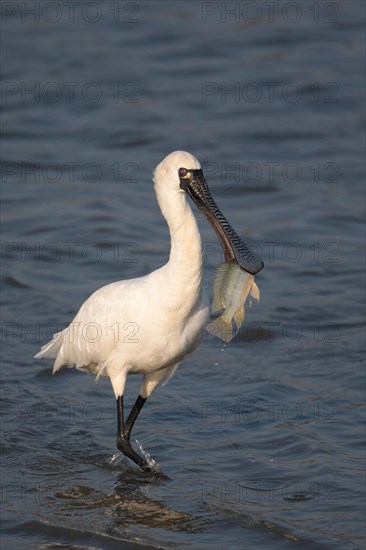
[(254, 292), (221, 328), (239, 316)]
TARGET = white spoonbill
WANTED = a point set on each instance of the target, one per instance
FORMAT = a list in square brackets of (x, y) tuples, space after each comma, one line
[(167, 308)]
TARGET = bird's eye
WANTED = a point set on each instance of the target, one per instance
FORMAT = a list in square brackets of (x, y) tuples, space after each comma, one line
[(182, 172)]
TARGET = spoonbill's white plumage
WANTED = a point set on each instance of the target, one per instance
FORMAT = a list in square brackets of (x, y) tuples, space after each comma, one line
[(149, 324)]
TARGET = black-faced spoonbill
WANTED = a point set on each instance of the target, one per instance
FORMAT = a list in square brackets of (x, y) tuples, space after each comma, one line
[(168, 307)]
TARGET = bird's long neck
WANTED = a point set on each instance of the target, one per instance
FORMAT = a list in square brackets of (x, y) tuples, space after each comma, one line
[(184, 268)]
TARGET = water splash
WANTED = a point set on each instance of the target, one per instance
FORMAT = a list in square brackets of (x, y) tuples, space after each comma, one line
[(118, 458), (151, 462)]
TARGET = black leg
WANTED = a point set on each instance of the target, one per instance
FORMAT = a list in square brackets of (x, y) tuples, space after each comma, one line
[(123, 442), (131, 419)]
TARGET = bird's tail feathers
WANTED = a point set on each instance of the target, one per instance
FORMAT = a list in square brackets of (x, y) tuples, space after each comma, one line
[(169, 374), (52, 348), (102, 368)]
